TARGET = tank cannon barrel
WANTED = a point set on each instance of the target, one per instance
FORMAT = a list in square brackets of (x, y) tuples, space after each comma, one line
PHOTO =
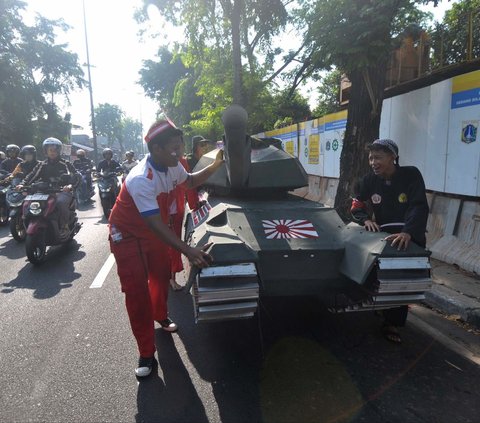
[(237, 146)]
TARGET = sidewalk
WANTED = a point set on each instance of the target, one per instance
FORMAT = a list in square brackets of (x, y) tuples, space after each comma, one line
[(455, 292)]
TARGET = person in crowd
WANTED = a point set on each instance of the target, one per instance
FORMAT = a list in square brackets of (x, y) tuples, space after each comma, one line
[(28, 154), (84, 166), (392, 199), (57, 171), (129, 162), (200, 146), (108, 164), (12, 160), (140, 236)]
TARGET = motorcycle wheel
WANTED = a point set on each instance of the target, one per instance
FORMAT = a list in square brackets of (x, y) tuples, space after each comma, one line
[(107, 208), (3, 216), (17, 229), (36, 247)]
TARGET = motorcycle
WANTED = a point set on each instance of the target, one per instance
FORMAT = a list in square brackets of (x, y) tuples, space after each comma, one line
[(85, 191), (4, 186), (41, 221), (15, 204), (108, 187)]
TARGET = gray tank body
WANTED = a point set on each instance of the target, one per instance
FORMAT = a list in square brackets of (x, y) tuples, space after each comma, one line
[(269, 243)]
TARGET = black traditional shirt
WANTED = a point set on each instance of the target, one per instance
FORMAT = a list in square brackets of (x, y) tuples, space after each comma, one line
[(399, 204)]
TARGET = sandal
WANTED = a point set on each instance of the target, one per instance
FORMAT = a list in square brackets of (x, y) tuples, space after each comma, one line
[(391, 334), (175, 286)]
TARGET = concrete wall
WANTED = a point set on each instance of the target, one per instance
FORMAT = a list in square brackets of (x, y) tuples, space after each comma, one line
[(453, 229)]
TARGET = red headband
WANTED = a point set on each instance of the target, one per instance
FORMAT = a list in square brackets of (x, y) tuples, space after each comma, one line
[(159, 127)]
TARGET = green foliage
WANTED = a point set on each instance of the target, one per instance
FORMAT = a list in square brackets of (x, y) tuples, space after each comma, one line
[(450, 38), (198, 80), (108, 122), (329, 94), (112, 123), (33, 70)]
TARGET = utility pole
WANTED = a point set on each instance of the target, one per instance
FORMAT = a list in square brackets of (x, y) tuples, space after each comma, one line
[(92, 109)]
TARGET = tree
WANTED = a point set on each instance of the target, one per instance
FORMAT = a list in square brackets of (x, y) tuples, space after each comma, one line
[(329, 94), (229, 55), (33, 71), (355, 37), (109, 123), (451, 38), (132, 135)]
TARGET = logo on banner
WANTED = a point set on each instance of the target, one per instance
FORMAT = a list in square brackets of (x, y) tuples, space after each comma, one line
[(288, 228), (328, 145), (376, 199), (201, 215), (469, 131), (335, 145)]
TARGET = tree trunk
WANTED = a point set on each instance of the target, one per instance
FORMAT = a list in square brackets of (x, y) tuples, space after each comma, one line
[(237, 53), (363, 127)]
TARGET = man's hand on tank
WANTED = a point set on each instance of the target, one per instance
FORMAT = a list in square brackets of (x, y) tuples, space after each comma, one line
[(67, 188), (219, 158), (199, 257), (19, 187), (372, 226), (402, 239)]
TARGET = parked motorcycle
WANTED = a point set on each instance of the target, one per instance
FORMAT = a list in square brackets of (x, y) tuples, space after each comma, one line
[(15, 205), (4, 186), (108, 187), (41, 221), (85, 191)]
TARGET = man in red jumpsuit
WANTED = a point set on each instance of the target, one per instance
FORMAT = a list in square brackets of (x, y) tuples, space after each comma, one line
[(140, 236)]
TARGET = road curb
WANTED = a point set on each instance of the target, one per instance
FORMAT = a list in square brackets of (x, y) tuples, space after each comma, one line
[(452, 302)]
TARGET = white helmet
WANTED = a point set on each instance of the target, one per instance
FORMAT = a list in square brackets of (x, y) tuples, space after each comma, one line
[(52, 141)]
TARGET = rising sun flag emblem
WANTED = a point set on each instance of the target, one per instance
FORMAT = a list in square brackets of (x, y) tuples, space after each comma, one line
[(287, 228)]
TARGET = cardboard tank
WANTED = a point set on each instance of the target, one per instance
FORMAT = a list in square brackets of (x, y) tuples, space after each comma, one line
[(267, 242)]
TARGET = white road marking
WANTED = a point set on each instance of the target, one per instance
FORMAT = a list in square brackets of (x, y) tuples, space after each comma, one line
[(102, 275)]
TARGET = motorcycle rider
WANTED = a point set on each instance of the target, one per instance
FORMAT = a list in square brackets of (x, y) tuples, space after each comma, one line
[(29, 155), (85, 166), (51, 169), (12, 160), (108, 164), (129, 162), (2, 156)]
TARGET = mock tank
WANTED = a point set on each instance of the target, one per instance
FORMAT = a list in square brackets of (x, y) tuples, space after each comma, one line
[(269, 242)]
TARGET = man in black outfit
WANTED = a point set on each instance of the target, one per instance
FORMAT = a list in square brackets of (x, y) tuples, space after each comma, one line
[(392, 199)]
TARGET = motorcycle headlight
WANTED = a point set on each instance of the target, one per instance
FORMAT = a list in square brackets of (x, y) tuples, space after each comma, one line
[(104, 189), (35, 208)]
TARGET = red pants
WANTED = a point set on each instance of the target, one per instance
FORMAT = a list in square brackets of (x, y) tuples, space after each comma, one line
[(175, 256), (144, 270)]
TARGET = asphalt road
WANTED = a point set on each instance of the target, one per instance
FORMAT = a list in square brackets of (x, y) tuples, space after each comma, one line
[(67, 355)]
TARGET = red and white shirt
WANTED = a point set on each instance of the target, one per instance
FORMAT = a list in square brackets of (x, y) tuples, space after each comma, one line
[(149, 189)]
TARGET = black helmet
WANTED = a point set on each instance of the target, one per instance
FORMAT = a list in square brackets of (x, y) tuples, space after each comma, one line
[(107, 151), (13, 148), (52, 142), (28, 149)]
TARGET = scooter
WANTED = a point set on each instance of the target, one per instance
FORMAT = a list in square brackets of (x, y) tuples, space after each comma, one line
[(41, 221), (15, 204), (4, 186), (84, 193), (108, 187)]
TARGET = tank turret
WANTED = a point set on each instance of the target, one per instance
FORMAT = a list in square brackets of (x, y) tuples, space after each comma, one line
[(251, 164)]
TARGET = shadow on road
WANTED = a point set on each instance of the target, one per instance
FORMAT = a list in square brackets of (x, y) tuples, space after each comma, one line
[(12, 249), (174, 399), (48, 279), (307, 365)]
